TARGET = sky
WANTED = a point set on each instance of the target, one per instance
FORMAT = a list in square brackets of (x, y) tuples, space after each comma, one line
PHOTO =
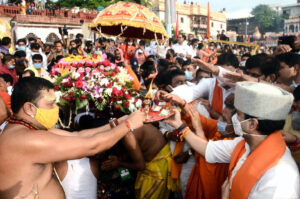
[(239, 8)]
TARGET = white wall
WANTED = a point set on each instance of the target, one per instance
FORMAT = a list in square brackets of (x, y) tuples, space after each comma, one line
[(216, 27), (41, 32)]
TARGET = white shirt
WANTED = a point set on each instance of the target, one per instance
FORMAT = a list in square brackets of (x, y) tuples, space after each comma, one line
[(279, 182), (192, 52), (181, 49), (45, 60)]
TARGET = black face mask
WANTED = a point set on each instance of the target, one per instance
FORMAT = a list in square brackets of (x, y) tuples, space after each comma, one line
[(168, 56), (20, 62)]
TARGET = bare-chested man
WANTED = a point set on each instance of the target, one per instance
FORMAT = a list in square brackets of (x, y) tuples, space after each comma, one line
[(27, 149), (151, 155)]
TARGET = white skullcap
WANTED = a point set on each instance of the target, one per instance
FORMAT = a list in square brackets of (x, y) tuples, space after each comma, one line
[(263, 101)]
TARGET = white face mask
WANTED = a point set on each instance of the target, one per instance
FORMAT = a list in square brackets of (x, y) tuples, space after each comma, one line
[(238, 127), (243, 63)]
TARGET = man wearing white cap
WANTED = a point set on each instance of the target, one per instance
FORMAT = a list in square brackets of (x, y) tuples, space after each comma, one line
[(261, 166)]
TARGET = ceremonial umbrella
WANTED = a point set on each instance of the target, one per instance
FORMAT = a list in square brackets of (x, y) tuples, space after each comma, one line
[(129, 20)]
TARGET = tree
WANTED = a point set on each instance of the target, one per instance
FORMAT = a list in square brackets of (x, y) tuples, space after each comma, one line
[(267, 19), (94, 4)]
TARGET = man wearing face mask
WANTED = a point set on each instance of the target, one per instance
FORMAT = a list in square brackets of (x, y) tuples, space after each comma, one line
[(218, 88), (35, 49), (190, 72), (29, 137), (37, 67), (21, 44), (21, 62), (8, 67), (292, 126), (261, 166)]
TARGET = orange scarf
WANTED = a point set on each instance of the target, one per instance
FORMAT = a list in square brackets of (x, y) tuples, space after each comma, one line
[(135, 82), (217, 101), (264, 157)]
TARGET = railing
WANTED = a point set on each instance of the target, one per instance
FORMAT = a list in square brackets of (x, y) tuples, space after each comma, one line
[(47, 19), (61, 15)]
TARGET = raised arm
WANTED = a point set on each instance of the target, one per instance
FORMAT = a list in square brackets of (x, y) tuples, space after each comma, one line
[(197, 141), (44, 147), (206, 66)]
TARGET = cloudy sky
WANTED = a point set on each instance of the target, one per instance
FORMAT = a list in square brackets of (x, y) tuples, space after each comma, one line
[(240, 8)]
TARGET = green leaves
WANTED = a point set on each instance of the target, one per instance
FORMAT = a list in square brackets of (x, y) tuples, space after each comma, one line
[(267, 19), (94, 4)]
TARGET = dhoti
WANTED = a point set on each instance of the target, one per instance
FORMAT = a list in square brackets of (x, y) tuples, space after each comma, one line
[(155, 180)]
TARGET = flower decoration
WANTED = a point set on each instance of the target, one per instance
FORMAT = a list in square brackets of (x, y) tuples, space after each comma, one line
[(82, 80)]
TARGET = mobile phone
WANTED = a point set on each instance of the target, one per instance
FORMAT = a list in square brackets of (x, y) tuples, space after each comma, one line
[(288, 40)]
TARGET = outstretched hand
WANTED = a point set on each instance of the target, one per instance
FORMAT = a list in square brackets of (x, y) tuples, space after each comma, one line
[(174, 120), (195, 118), (136, 119)]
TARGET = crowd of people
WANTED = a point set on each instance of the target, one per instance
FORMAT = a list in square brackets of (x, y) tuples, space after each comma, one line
[(235, 132)]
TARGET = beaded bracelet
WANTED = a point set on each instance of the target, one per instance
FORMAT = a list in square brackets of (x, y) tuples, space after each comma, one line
[(183, 134)]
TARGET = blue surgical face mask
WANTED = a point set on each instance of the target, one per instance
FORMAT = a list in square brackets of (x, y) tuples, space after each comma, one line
[(11, 66), (37, 66), (22, 48), (188, 75)]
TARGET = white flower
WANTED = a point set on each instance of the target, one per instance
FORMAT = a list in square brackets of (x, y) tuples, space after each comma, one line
[(108, 91), (138, 103), (104, 82), (64, 80), (75, 75), (132, 108), (58, 94)]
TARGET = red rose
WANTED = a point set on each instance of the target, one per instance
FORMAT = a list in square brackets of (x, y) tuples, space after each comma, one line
[(70, 93), (100, 99), (68, 98), (113, 74), (74, 64), (106, 63), (126, 104), (105, 73), (120, 93), (82, 97), (99, 63), (94, 64), (66, 84), (127, 96), (79, 65), (73, 98), (78, 84), (109, 85), (117, 107), (70, 83), (136, 100), (117, 70), (56, 87)]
